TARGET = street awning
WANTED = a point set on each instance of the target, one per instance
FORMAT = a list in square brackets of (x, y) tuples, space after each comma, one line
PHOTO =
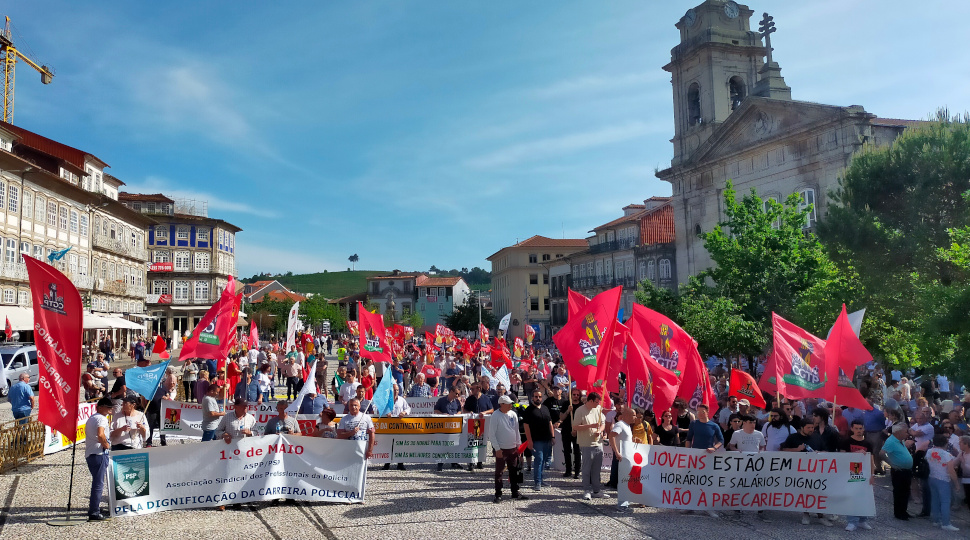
[(95, 322), (125, 324), (21, 318)]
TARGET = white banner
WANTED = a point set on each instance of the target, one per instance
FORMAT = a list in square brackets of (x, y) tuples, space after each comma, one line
[(291, 323), (689, 479), (559, 459), (55, 442), (421, 406), (183, 419), (251, 469), (435, 439)]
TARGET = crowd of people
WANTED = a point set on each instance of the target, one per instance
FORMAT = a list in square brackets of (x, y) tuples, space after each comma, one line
[(916, 432)]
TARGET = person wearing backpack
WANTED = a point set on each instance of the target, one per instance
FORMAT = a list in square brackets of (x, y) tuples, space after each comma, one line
[(896, 452)]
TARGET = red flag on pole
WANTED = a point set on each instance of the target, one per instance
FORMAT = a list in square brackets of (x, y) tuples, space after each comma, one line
[(58, 321), (159, 347), (253, 336), (650, 385), (843, 353), (373, 336), (482, 333), (673, 348), (576, 303), (743, 386), (8, 330), (212, 337), (616, 364), (797, 364), (583, 341)]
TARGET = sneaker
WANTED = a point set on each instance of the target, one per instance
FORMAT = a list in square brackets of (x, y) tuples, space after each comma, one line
[(588, 496), (497, 499), (850, 527), (805, 520), (567, 475), (825, 521), (97, 517), (713, 514), (935, 524), (479, 466), (950, 528), (602, 495), (576, 476), (865, 525), (537, 487)]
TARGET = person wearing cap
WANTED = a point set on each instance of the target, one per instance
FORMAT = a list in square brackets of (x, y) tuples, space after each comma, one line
[(130, 428), (96, 447), (502, 431), (237, 423)]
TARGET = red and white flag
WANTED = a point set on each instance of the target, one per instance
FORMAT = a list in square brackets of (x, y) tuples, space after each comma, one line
[(796, 368), (8, 330), (373, 336), (58, 323), (253, 336), (584, 340), (530, 334), (482, 333)]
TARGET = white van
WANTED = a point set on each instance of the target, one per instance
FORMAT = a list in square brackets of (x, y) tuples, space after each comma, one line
[(19, 358)]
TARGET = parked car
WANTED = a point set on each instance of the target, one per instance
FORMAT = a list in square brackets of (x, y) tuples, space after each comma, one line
[(18, 358)]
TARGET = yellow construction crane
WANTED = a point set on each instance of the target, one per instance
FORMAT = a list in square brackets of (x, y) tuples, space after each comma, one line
[(8, 57)]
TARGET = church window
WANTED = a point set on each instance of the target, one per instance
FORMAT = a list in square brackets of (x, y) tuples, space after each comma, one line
[(737, 91), (693, 105)]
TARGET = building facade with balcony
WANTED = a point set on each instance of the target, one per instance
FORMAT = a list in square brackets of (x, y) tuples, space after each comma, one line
[(439, 296), (394, 294), (626, 251), (54, 197), (191, 257), (520, 281)]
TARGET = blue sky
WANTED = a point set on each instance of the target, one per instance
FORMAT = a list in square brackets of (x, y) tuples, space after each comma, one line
[(426, 132)]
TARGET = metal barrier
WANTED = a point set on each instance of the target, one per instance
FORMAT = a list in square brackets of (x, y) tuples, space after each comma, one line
[(20, 443)]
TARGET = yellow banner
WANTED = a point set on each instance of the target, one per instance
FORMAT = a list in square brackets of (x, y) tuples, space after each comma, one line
[(418, 426)]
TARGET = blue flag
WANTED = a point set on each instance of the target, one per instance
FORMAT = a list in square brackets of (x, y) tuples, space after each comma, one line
[(384, 394), (145, 380), (57, 255)]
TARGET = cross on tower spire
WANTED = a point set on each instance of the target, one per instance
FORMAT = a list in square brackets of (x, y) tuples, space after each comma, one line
[(767, 27)]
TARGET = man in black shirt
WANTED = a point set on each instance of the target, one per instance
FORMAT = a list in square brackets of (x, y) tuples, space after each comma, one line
[(480, 404), (556, 403), (448, 404), (570, 444), (539, 433), (799, 442)]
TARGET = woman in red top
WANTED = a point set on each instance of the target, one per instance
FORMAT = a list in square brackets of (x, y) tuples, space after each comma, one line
[(367, 381), (233, 373)]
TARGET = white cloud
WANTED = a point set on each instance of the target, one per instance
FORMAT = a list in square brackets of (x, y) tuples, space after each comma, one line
[(554, 146), (154, 184)]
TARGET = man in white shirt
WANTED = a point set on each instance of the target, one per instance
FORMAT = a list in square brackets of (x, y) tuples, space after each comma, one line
[(130, 428), (348, 390), (747, 439), (96, 454), (357, 426), (253, 356), (502, 431), (622, 433), (724, 415), (944, 385)]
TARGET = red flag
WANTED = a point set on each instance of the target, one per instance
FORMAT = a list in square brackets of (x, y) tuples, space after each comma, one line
[(616, 363), (797, 364), (482, 333), (429, 341), (159, 347), (253, 336), (673, 348), (530, 334), (843, 353), (576, 303), (211, 338), (649, 385), (8, 330), (373, 336), (500, 357), (581, 340), (58, 321), (743, 386), (352, 328)]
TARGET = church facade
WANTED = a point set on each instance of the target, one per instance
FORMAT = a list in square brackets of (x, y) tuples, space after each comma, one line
[(735, 119)]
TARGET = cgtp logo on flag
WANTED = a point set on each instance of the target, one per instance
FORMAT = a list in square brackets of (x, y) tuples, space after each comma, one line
[(372, 342), (592, 345), (803, 373), (208, 334), (641, 398), (662, 352), (53, 301)]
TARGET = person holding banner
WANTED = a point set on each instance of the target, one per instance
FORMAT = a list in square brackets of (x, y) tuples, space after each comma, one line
[(130, 428), (283, 423), (357, 426), (96, 454)]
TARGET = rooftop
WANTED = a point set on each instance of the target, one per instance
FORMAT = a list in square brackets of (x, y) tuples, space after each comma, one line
[(50, 147), (440, 281), (280, 296), (143, 197)]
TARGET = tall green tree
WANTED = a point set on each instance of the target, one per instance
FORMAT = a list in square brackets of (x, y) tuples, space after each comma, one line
[(896, 218), (465, 318)]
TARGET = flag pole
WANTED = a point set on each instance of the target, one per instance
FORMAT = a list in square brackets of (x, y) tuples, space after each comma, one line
[(68, 520)]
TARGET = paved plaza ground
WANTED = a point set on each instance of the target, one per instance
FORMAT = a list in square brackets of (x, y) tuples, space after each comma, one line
[(418, 503)]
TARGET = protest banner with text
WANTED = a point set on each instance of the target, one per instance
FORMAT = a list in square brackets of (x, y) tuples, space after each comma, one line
[(692, 479), (251, 469)]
